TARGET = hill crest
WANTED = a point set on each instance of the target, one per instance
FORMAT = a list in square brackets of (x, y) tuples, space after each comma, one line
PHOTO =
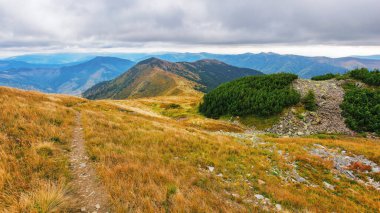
[(201, 75)]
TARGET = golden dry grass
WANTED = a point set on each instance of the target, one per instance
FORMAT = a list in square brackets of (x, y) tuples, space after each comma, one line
[(35, 131), (156, 162), (153, 155)]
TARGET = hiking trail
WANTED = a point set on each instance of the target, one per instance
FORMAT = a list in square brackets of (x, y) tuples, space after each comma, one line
[(91, 195)]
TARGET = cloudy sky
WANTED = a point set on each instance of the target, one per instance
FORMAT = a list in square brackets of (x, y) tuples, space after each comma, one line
[(307, 27)]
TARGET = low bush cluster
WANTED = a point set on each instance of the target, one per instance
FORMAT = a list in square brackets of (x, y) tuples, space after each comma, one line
[(361, 108), (369, 77), (324, 77), (254, 95), (309, 101)]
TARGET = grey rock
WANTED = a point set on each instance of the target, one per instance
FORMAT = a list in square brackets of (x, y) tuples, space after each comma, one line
[(259, 196), (278, 207), (328, 186)]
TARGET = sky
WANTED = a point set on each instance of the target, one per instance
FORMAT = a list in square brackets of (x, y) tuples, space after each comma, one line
[(306, 27)]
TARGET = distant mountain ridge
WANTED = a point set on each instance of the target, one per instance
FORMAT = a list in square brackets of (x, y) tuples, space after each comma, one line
[(305, 67), (156, 77), (73, 73), (66, 78), (373, 57)]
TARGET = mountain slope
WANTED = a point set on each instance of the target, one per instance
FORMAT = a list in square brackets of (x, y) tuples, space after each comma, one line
[(154, 77), (76, 79), (305, 67), (69, 79)]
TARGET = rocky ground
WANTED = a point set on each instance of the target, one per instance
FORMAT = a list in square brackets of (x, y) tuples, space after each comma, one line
[(357, 168), (326, 119), (354, 167)]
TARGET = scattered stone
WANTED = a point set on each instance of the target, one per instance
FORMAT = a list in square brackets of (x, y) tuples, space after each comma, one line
[(220, 175), (297, 177), (235, 195), (83, 209), (211, 168), (97, 206), (329, 186), (261, 182), (329, 95), (375, 169), (278, 207), (349, 166), (259, 196)]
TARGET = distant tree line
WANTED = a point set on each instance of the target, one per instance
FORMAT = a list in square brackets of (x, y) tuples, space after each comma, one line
[(254, 95), (361, 108), (369, 77), (324, 77)]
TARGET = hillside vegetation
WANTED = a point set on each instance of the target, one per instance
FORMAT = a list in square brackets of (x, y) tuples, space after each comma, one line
[(256, 95), (369, 77), (361, 107), (159, 155), (324, 77)]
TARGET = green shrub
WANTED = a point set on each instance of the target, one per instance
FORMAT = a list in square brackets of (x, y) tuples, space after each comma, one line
[(309, 101), (366, 76), (324, 77), (56, 139), (361, 108), (174, 106), (254, 95)]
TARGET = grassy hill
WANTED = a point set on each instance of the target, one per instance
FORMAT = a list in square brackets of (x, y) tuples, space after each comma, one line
[(35, 135), (155, 77), (143, 81), (159, 154)]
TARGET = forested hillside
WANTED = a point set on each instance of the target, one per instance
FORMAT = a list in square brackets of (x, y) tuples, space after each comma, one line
[(255, 95), (369, 77), (361, 107)]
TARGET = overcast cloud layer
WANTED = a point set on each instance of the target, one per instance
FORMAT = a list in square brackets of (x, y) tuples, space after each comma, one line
[(57, 24)]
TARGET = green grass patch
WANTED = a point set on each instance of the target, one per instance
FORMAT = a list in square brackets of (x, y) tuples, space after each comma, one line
[(260, 123)]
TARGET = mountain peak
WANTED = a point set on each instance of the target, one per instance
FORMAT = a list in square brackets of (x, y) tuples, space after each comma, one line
[(209, 61), (106, 58), (152, 60), (155, 62)]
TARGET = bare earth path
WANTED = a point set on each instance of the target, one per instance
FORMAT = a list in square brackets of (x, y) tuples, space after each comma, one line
[(91, 195)]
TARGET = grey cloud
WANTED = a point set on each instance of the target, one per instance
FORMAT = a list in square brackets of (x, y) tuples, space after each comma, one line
[(104, 23)]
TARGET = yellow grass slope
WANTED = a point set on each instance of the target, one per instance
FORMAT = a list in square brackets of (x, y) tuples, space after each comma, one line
[(156, 82), (35, 134), (169, 158), (158, 155)]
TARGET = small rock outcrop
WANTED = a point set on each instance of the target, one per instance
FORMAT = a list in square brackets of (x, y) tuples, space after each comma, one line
[(326, 119)]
